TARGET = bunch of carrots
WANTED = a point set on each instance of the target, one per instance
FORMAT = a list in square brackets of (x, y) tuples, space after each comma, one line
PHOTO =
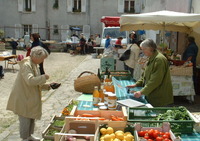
[(113, 117)]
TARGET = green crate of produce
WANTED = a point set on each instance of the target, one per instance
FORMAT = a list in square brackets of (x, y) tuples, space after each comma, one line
[(179, 117)]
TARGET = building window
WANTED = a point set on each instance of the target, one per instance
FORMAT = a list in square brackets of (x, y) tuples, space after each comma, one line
[(55, 5), (27, 5), (27, 29), (77, 6), (55, 29), (129, 6)]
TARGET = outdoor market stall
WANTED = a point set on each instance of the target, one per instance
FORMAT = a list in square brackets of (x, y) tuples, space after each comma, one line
[(81, 119), (167, 21)]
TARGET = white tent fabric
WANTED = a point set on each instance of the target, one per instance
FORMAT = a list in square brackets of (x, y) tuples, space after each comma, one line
[(161, 20)]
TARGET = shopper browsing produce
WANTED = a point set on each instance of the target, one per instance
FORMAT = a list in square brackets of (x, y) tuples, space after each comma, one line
[(155, 80), (25, 97)]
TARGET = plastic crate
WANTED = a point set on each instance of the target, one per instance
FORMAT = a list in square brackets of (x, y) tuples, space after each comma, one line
[(147, 117)]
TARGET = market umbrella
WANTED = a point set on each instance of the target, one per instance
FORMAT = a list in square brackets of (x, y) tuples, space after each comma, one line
[(161, 20)]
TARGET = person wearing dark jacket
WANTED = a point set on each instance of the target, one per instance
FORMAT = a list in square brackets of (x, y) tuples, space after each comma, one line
[(14, 45), (35, 37), (83, 44), (190, 54)]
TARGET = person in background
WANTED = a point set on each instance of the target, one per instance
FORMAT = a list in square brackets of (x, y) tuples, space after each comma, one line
[(118, 43), (75, 42), (108, 42), (133, 38), (35, 37), (25, 96), (83, 44), (134, 56), (91, 44), (26, 40), (97, 40), (156, 79), (14, 45), (75, 39), (190, 54)]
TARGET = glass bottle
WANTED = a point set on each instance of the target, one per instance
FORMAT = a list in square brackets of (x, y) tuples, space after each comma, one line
[(95, 96), (101, 94), (98, 74)]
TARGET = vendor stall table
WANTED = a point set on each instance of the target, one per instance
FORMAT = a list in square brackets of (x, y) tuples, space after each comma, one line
[(98, 49), (6, 58)]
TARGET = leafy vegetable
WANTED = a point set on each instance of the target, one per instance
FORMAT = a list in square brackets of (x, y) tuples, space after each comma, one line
[(177, 114), (59, 123)]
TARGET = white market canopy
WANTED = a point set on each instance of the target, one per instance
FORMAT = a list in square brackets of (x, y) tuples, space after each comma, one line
[(161, 20)]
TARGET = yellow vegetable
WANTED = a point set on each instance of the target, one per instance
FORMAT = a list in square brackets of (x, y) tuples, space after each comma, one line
[(109, 130), (119, 131), (128, 137), (125, 134), (103, 131), (113, 135), (107, 138), (120, 136)]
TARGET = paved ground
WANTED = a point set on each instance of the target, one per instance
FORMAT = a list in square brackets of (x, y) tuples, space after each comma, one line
[(62, 68)]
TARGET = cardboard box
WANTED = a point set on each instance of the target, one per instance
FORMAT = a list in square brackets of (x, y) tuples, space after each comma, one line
[(83, 129), (165, 128)]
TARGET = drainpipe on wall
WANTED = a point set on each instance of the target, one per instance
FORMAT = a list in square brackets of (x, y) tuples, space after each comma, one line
[(47, 21), (190, 8)]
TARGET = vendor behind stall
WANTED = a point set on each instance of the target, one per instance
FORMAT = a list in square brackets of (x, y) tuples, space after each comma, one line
[(155, 80), (190, 54)]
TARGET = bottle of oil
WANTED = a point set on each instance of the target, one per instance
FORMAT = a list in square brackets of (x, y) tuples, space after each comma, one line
[(101, 94), (95, 96)]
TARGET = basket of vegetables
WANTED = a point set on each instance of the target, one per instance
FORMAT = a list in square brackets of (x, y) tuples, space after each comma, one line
[(179, 118)]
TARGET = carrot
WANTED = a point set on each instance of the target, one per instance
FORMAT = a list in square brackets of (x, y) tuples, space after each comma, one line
[(102, 119), (87, 115)]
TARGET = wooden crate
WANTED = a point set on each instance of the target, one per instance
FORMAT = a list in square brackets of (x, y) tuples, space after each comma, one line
[(51, 126), (103, 114), (115, 127), (83, 128)]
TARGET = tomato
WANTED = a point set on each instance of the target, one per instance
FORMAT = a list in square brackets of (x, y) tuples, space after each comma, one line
[(167, 133), (149, 140), (156, 134), (162, 133), (141, 133), (150, 133), (146, 137), (159, 138), (167, 139), (166, 136)]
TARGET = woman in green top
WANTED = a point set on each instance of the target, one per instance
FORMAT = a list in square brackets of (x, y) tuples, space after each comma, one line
[(155, 80)]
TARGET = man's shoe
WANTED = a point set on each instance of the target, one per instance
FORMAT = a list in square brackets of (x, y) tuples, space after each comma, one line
[(32, 138)]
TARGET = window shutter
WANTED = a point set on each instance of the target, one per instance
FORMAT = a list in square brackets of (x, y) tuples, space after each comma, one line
[(86, 31), (33, 5), (83, 5), (69, 5), (20, 5), (64, 32), (137, 6), (120, 6), (35, 28), (17, 31)]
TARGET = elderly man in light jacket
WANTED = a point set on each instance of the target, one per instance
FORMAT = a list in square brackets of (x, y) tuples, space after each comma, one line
[(25, 97)]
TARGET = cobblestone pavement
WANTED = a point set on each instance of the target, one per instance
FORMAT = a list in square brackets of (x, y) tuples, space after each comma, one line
[(62, 68)]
